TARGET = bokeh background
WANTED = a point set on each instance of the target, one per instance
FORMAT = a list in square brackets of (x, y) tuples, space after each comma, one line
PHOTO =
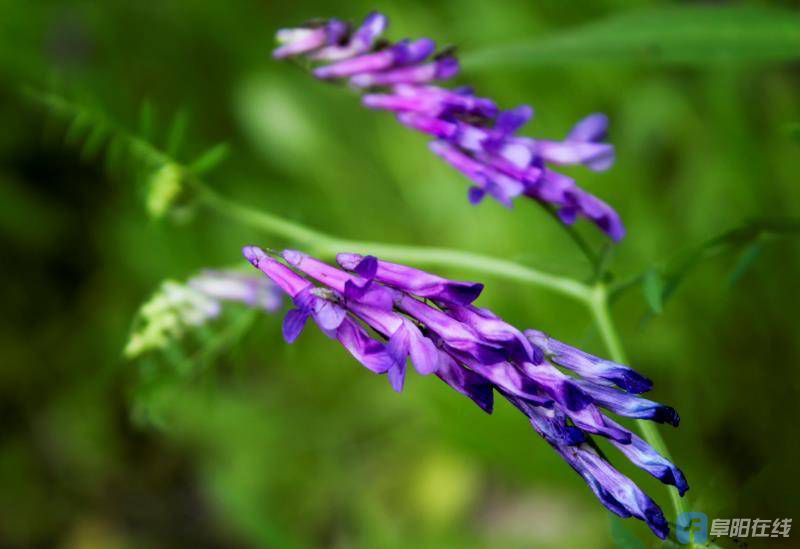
[(255, 443)]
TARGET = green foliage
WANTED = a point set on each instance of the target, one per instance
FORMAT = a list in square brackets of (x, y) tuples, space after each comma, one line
[(653, 288), (692, 35), (751, 237), (159, 172)]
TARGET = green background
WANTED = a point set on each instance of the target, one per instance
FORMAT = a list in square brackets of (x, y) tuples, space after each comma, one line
[(265, 444)]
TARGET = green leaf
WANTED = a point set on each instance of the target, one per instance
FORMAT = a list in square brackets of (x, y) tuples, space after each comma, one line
[(177, 133), (688, 35), (653, 288), (757, 230), (746, 260), (210, 159)]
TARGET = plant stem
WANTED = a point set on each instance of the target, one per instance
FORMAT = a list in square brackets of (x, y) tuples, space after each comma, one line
[(599, 305), (321, 244)]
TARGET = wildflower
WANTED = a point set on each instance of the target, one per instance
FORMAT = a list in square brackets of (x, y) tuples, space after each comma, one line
[(471, 133), (175, 307), (385, 313)]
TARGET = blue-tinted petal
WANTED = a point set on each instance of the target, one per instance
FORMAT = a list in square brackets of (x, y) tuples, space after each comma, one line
[(293, 324)]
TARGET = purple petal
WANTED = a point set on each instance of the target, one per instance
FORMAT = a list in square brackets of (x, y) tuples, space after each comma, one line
[(367, 267), (510, 121), (588, 366), (372, 354), (441, 69), (452, 333), (328, 315), (493, 328), (289, 281), (475, 195), (397, 376), (298, 41), (645, 457), (427, 124), (466, 382), (252, 290), (293, 324), (360, 42), (557, 386), (593, 128), (424, 354), (627, 405), (616, 491), (418, 282), (595, 156), (508, 378)]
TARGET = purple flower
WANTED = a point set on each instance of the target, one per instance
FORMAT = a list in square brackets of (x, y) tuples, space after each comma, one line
[(472, 134), (253, 291), (385, 314)]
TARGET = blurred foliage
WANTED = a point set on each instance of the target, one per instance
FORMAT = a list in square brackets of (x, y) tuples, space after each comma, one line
[(233, 438)]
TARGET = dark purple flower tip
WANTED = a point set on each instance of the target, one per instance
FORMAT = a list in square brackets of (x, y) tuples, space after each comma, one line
[(510, 121), (466, 382), (367, 267), (674, 477), (628, 405), (630, 380), (654, 518), (446, 67), (666, 414), (409, 52), (417, 282), (475, 195), (588, 366), (572, 397)]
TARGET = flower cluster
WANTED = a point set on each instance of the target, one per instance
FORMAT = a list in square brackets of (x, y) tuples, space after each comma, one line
[(176, 306), (385, 313), (472, 134)]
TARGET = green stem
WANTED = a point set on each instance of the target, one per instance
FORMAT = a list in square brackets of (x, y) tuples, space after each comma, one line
[(321, 244), (599, 305)]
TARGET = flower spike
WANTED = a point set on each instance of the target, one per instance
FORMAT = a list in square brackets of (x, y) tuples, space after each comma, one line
[(385, 314), (471, 133)]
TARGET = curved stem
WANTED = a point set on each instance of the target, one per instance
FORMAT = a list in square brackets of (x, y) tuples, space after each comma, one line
[(321, 244), (600, 311)]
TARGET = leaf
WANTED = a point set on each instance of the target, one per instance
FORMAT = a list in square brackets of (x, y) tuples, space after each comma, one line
[(653, 288), (757, 230), (146, 120), (97, 138), (210, 159), (177, 133), (687, 35), (746, 260)]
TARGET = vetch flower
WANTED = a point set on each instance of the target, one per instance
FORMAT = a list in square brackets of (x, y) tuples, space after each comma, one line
[(386, 313), (471, 133), (175, 307)]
